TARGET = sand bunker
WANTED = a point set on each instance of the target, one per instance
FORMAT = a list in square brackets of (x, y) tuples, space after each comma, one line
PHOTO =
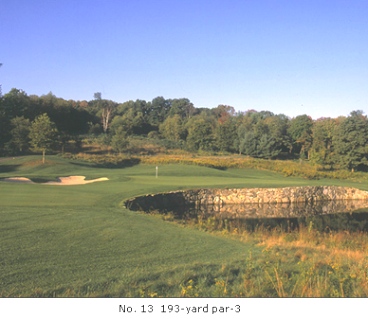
[(61, 181), (18, 180)]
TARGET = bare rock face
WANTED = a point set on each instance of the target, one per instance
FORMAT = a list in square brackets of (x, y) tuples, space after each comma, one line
[(284, 210), (240, 196)]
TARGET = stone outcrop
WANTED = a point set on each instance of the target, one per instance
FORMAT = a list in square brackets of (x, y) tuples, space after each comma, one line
[(283, 210), (243, 196)]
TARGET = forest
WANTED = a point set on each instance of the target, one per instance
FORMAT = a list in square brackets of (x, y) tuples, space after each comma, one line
[(31, 123)]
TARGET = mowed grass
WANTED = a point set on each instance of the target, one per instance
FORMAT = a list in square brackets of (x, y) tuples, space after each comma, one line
[(68, 241)]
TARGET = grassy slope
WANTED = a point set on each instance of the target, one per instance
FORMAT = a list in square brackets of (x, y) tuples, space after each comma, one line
[(80, 241)]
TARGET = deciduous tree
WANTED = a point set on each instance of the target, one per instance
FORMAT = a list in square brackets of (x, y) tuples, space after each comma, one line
[(172, 128), (300, 130), (351, 142), (42, 134), (200, 133), (322, 146), (119, 140), (20, 128)]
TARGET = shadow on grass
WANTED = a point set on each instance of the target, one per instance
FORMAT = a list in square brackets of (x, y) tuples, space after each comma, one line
[(8, 168), (128, 162), (40, 180), (219, 167)]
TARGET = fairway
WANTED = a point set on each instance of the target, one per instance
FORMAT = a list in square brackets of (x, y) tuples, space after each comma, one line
[(80, 241)]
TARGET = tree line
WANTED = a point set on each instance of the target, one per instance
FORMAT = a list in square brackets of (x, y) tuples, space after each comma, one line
[(38, 123)]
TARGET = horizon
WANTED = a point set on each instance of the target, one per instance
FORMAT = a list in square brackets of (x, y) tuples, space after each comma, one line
[(197, 107)]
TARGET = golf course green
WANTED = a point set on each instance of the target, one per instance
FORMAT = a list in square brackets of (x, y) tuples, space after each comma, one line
[(80, 241)]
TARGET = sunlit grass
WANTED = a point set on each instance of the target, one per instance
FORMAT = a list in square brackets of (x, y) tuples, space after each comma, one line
[(81, 241)]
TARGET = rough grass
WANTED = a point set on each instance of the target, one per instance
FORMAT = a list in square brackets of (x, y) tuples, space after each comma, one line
[(79, 241)]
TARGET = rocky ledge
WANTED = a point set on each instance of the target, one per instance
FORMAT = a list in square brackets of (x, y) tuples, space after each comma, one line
[(237, 196)]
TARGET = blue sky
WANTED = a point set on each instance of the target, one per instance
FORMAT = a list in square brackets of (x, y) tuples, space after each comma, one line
[(291, 57)]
